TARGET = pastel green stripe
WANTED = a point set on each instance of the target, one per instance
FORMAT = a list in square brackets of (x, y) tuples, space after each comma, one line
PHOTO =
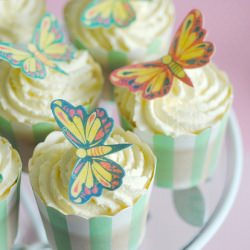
[(217, 147), (6, 130), (60, 229), (117, 59), (79, 44), (3, 225), (41, 130), (137, 226), (100, 233), (125, 124), (201, 144), (163, 147)]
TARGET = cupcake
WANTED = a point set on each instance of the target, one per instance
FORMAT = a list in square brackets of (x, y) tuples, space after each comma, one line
[(114, 217), (184, 128), (25, 117), (115, 46), (10, 174), (179, 105), (19, 18)]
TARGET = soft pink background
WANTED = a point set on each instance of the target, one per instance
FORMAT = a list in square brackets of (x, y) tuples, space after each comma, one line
[(228, 22)]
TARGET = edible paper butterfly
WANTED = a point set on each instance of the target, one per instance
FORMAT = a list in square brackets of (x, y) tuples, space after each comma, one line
[(105, 13), (46, 49), (88, 133), (187, 51)]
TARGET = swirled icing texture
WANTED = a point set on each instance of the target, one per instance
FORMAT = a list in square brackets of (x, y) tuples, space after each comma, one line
[(53, 161), (19, 18), (184, 110), (27, 100), (10, 167), (158, 15)]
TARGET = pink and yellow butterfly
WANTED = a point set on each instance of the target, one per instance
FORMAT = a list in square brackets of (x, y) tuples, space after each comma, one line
[(46, 49), (187, 51), (88, 133), (105, 13)]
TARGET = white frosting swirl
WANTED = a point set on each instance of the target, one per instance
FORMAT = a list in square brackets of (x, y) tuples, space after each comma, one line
[(10, 167), (158, 15), (53, 161), (27, 100), (184, 110), (19, 18)]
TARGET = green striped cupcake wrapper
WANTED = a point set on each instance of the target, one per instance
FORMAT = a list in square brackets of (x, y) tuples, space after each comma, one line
[(9, 210), (24, 137), (123, 231), (185, 161), (111, 60)]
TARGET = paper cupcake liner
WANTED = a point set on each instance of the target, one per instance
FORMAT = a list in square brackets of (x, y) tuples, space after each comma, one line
[(24, 137), (123, 231), (9, 210), (185, 161), (111, 60)]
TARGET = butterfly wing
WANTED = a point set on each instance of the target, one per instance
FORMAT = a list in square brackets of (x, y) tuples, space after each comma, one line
[(20, 57), (71, 120), (98, 127), (154, 79), (49, 39), (123, 13), (188, 48), (90, 176), (34, 68), (106, 13)]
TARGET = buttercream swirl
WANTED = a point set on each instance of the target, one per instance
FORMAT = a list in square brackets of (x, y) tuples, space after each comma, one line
[(184, 110), (157, 14), (19, 18), (27, 100), (53, 161), (10, 167)]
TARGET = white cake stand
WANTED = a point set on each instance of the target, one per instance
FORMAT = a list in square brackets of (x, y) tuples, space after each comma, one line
[(177, 220)]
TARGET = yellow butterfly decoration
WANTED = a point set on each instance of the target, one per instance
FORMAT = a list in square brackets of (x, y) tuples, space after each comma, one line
[(105, 13), (46, 49), (187, 51), (88, 133)]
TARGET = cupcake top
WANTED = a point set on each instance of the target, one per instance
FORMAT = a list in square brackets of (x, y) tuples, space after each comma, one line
[(158, 15), (19, 18), (27, 100), (53, 161), (184, 110), (10, 167)]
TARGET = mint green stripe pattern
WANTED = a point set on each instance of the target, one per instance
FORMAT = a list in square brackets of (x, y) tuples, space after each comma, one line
[(6, 131), (60, 229), (218, 146), (125, 124), (41, 130), (4, 225), (79, 44), (201, 144), (137, 223), (163, 147), (117, 59), (100, 233)]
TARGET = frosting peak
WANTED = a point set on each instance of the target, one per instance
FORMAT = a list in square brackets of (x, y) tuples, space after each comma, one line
[(53, 162), (27, 100), (185, 110), (10, 167), (19, 18)]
